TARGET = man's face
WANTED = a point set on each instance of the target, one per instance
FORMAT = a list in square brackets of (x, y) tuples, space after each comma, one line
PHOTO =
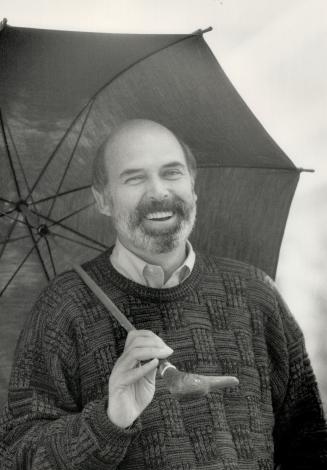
[(150, 193)]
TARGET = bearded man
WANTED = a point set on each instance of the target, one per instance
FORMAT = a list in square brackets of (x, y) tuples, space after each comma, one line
[(84, 396)]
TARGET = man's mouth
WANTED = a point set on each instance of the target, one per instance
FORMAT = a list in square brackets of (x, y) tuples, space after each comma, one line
[(159, 216)]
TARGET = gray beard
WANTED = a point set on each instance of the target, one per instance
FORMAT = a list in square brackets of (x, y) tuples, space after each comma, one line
[(156, 241)]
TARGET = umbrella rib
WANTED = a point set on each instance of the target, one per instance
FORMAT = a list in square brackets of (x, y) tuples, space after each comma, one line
[(92, 99), (53, 153), (76, 241), (6, 200), (38, 252), (5, 214), (74, 213), (18, 269), (64, 193), (71, 157), (11, 240), (10, 231), (11, 164), (183, 38), (51, 257), (49, 219), (255, 167), (18, 158)]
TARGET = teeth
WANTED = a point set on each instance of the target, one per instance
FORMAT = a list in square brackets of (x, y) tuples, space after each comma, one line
[(159, 215)]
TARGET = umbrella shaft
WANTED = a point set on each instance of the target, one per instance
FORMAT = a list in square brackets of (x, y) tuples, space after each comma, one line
[(107, 302)]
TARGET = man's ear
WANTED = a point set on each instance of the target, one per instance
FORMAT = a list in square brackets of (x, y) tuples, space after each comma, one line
[(193, 189), (101, 202)]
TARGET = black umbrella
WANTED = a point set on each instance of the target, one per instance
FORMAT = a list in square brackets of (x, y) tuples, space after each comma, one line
[(61, 93)]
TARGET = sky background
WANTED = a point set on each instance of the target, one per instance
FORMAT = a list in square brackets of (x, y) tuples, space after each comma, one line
[(275, 54)]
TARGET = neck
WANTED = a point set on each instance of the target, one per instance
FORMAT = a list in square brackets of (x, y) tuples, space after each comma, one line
[(168, 261)]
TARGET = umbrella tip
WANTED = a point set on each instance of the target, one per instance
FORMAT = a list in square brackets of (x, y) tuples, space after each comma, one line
[(207, 30), (306, 170), (3, 23), (202, 31)]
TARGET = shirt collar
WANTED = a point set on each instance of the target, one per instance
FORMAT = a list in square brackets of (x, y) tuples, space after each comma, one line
[(134, 268)]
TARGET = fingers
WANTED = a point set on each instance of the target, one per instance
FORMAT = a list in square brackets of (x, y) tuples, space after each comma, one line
[(133, 355), (122, 376), (143, 342), (141, 335), (139, 372), (141, 345)]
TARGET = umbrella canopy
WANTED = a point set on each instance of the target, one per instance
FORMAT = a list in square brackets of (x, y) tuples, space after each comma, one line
[(61, 94)]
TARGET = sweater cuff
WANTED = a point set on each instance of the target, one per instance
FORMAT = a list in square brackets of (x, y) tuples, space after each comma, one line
[(108, 435)]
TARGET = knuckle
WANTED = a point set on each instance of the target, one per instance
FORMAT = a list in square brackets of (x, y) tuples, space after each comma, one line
[(131, 335), (147, 333)]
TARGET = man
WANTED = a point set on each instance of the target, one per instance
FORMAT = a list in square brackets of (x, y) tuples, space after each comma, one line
[(83, 396)]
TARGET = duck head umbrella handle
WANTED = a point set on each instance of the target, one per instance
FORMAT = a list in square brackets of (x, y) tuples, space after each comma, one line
[(180, 384)]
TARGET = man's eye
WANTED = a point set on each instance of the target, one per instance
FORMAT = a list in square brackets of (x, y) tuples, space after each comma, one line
[(134, 179), (173, 174)]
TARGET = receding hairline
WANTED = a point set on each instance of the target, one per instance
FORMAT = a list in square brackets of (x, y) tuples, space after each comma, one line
[(126, 130), (135, 129)]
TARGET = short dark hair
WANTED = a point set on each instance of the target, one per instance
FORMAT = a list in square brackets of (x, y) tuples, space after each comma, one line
[(100, 171)]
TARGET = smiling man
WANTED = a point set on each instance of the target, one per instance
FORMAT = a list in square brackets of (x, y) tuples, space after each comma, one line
[(144, 179), (84, 396)]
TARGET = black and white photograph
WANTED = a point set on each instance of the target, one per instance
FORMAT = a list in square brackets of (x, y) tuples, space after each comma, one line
[(163, 235)]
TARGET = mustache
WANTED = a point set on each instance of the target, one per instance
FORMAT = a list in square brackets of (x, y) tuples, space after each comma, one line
[(176, 205)]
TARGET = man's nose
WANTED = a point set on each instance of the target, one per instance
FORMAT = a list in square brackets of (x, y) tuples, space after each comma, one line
[(158, 189)]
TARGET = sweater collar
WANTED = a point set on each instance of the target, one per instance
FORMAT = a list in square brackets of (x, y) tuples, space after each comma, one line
[(137, 270), (113, 283)]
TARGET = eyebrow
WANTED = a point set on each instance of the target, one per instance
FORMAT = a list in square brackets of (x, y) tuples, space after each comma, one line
[(133, 171), (174, 165)]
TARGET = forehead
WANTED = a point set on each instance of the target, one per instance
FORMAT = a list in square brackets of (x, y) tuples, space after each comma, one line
[(148, 150)]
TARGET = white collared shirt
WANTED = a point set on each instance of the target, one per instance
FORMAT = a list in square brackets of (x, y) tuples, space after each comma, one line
[(138, 270)]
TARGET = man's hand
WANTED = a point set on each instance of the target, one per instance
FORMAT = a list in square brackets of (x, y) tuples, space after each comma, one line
[(132, 385)]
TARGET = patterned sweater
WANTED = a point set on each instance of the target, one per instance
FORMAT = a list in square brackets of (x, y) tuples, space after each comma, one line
[(225, 319)]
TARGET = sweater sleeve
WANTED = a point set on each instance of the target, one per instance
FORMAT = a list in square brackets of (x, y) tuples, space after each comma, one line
[(300, 431), (43, 426)]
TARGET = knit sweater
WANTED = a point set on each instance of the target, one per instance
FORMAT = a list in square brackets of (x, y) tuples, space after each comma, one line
[(225, 319)]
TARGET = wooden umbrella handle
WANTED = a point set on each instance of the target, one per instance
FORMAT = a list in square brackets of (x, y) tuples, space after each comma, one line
[(114, 310), (107, 302)]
